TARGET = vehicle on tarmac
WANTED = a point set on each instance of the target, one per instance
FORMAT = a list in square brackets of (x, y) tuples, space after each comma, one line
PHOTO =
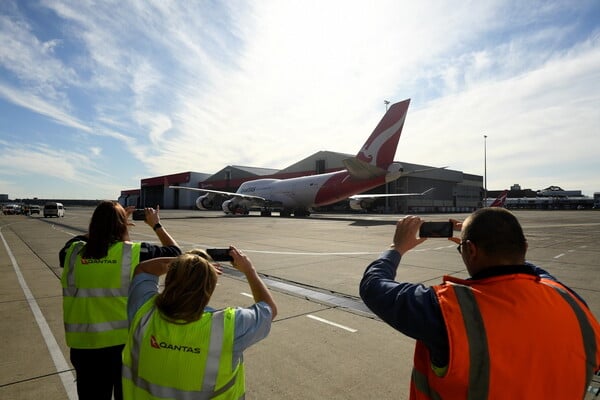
[(53, 209), (11, 209), (34, 209)]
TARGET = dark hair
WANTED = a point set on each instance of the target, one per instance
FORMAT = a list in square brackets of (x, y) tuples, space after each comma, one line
[(189, 284), (107, 226), (496, 231)]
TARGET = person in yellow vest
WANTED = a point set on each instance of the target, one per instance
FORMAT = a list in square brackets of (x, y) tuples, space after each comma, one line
[(178, 347), (98, 267), (510, 331)]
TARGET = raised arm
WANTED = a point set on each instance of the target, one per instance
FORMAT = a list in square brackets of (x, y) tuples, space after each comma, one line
[(153, 220), (260, 291), (155, 266)]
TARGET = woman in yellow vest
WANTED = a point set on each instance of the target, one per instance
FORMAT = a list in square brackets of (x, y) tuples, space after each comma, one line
[(97, 271), (510, 331), (178, 348)]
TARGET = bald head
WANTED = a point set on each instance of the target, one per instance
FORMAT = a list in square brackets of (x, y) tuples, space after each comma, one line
[(497, 234)]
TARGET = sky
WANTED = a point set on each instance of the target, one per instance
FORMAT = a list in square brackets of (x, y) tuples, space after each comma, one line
[(97, 95)]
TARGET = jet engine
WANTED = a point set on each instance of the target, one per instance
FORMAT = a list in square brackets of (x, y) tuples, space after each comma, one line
[(204, 202), (361, 204), (227, 207), (231, 207)]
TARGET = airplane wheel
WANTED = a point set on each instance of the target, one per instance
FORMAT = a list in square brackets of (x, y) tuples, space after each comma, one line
[(301, 213)]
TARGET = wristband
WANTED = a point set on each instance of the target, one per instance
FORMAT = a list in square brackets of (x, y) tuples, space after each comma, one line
[(157, 226)]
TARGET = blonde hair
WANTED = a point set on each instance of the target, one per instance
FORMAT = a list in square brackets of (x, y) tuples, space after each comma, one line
[(189, 284)]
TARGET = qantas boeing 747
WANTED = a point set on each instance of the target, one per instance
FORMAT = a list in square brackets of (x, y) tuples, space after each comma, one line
[(372, 166)]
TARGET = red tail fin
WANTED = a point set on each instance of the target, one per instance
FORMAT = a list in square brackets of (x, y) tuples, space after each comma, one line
[(500, 200), (380, 148)]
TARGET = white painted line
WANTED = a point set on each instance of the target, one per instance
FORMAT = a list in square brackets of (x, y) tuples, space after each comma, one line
[(331, 323), (305, 253), (247, 295), (560, 255), (60, 363)]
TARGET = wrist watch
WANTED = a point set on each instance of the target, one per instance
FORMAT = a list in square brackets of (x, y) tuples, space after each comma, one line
[(156, 226)]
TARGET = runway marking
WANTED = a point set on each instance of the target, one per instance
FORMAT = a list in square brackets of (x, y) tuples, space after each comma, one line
[(331, 323), (66, 376), (560, 255), (247, 295), (304, 253)]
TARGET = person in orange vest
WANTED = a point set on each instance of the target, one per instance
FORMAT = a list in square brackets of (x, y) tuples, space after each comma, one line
[(510, 331)]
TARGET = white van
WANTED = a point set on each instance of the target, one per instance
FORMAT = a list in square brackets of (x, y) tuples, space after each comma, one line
[(53, 209)]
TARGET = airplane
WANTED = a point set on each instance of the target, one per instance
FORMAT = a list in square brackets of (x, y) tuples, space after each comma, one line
[(500, 200), (372, 166)]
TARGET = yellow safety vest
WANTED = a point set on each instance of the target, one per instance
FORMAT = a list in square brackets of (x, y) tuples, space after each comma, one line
[(164, 360), (95, 295)]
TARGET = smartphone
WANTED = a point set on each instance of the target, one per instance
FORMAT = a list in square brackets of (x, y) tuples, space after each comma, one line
[(219, 254), (139, 214), (436, 229)]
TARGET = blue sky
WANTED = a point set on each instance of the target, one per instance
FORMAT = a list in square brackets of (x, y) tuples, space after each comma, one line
[(95, 96)]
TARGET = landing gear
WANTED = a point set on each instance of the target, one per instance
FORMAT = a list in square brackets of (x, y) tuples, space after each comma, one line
[(298, 212), (301, 212)]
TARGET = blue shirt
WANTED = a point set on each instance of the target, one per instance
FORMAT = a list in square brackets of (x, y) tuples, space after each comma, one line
[(252, 324)]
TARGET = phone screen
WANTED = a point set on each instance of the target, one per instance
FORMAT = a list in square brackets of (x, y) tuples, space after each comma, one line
[(436, 229), (219, 254)]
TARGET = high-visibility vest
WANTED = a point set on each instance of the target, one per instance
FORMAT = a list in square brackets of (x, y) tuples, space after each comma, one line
[(166, 360), (514, 336), (95, 295)]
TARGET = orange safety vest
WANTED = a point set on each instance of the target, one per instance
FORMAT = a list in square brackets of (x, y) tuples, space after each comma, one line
[(514, 336)]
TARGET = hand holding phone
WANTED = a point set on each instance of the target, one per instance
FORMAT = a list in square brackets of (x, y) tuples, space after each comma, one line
[(436, 229), (219, 254), (139, 215)]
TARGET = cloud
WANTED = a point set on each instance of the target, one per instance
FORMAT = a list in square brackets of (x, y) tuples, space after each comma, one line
[(180, 86)]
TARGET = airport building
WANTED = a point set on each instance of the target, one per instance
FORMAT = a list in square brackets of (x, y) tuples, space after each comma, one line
[(454, 191), (550, 198)]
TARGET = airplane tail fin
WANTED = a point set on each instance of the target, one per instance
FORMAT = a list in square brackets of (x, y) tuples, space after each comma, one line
[(500, 200), (380, 148)]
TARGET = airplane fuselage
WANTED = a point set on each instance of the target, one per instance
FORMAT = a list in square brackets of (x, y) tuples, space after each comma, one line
[(308, 191)]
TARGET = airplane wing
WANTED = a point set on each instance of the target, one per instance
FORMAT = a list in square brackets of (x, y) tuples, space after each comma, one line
[(422, 170), (222, 193), (379, 195)]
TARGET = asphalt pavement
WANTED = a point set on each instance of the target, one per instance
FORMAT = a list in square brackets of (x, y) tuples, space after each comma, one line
[(324, 343)]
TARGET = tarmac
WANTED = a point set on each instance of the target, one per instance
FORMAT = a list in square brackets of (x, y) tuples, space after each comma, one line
[(324, 343)]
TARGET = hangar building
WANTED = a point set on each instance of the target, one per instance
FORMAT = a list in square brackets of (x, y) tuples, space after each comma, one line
[(454, 191)]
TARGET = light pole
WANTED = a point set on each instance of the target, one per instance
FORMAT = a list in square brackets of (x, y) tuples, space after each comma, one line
[(485, 170), (387, 189)]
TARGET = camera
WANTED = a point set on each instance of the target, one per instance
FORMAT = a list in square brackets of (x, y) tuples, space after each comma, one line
[(436, 229), (139, 214), (219, 254)]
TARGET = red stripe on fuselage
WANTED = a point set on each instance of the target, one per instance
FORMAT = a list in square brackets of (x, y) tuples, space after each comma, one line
[(341, 186)]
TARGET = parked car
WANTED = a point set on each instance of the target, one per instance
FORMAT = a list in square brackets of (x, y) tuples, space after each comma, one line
[(11, 209), (53, 209), (33, 209)]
